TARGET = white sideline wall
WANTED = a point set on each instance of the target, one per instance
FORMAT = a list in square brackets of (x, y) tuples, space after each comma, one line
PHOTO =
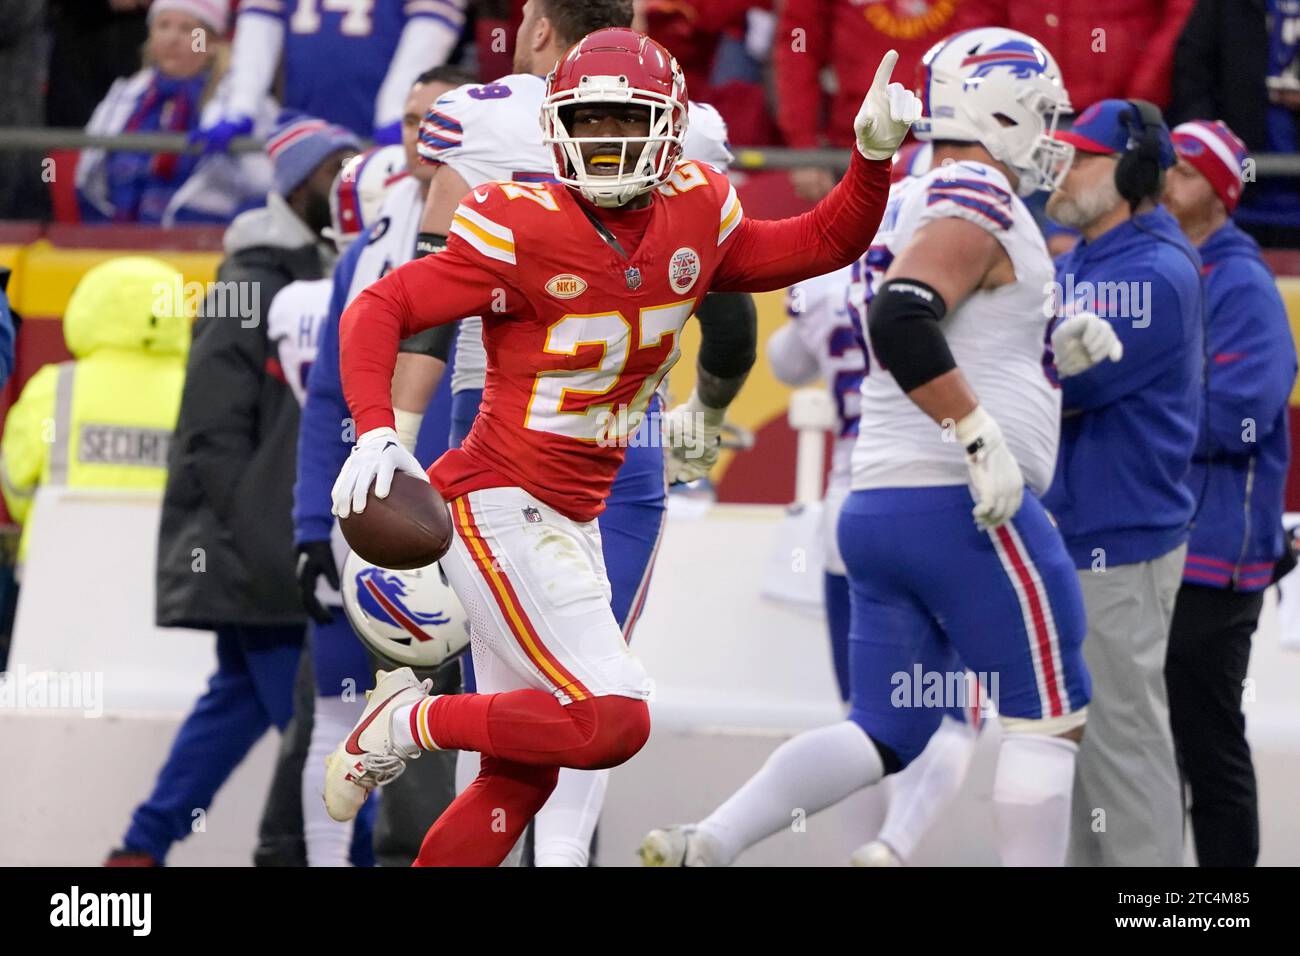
[(735, 675)]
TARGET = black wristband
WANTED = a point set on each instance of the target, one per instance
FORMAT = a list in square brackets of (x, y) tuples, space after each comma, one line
[(905, 335), (429, 244)]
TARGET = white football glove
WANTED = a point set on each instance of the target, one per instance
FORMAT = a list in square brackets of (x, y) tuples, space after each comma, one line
[(886, 114), (994, 474), (1083, 340), (378, 456), (691, 434)]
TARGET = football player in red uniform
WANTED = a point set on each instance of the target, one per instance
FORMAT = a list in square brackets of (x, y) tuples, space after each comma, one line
[(584, 285)]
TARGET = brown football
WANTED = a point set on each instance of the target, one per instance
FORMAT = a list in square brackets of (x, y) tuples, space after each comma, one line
[(409, 529)]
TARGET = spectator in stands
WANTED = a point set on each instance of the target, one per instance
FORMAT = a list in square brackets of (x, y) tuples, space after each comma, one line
[(1237, 61), (1127, 433), (349, 64), (845, 39), (1238, 477), (104, 419), (92, 43), (23, 194), (225, 545), (1107, 49), (184, 79), (723, 47)]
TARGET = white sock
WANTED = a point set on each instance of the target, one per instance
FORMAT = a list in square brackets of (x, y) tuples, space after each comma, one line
[(803, 776), (920, 792), (399, 728), (328, 841), (562, 828), (1031, 798)]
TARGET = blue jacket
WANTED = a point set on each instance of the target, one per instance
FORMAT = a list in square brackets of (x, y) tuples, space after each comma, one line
[(323, 441), (1239, 469), (6, 340), (1128, 428)]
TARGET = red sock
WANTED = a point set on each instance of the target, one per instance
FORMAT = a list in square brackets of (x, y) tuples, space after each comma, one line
[(532, 727), (484, 823)]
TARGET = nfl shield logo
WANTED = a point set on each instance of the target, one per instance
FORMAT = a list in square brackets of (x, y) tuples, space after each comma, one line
[(633, 276), (532, 515)]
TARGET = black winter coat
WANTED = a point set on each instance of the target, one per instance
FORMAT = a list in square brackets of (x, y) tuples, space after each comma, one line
[(225, 544)]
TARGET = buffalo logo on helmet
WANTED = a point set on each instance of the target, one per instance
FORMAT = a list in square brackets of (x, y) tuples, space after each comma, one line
[(683, 269), (1021, 58), (406, 617), (381, 596)]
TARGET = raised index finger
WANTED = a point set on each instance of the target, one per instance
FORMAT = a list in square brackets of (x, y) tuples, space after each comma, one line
[(885, 70)]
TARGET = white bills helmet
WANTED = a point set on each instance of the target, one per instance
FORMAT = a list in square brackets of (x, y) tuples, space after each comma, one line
[(1001, 89), (358, 191), (409, 617)]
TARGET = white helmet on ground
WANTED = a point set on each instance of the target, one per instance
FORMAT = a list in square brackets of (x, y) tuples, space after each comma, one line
[(1001, 89), (409, 617), (358, 191)]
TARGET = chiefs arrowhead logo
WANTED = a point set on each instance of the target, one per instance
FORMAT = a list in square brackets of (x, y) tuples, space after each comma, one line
[(567, 286)]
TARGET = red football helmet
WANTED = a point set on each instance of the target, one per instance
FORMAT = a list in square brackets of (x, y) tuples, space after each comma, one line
[(617, 65)]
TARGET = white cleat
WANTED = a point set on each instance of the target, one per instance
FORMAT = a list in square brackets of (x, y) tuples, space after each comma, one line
[(682, 845), (875, 853), (368, 758)]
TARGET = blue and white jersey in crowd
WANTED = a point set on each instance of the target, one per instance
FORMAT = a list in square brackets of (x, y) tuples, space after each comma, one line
[(822, 340), (293, 324), (491, 132), (350, 62), (997, 338)]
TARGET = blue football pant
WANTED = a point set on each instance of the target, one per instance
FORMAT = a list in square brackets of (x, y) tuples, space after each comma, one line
[(251, 691), (933, 595)]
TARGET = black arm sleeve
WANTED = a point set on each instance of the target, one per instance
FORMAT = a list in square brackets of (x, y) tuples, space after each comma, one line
[(903, 323), (728, 333), (434, 342)]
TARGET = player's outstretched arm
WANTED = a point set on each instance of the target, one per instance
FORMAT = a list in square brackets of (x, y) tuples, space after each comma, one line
[(758, 256)]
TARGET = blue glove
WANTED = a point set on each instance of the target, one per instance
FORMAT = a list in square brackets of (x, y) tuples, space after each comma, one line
[(389, 135), (216, 138)]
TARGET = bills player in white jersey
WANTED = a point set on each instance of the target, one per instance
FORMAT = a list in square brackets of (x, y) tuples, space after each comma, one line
[(957, 333), (479, 134), (823, 340)]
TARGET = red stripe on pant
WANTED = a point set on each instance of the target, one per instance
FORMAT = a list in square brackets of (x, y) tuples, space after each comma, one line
[(1040, 636)]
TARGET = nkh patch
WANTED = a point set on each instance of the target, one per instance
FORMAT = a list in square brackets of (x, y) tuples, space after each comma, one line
[(683, 269), (566, 286)]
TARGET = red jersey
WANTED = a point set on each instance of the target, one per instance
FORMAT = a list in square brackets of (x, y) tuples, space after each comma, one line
[(850, 37), (578, 335)]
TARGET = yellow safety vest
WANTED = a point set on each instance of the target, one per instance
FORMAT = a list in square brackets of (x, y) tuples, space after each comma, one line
[(104, 421)]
